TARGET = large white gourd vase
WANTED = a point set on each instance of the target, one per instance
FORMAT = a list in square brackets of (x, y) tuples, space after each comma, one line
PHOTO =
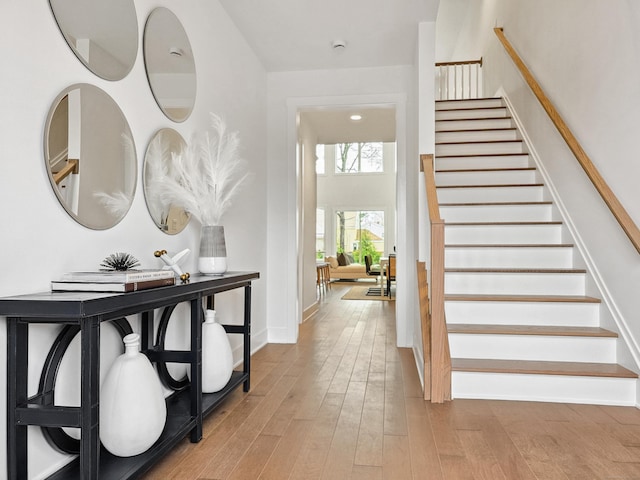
[(212, 259), (133, 410), (217, 357)]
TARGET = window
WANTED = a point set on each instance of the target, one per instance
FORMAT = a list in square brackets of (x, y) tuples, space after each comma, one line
[(320, 246), (360, 233), (320, 159), (359, 157)]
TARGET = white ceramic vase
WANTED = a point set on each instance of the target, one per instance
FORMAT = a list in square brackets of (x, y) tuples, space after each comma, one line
[(133, 410), (217, 357), (212, 259)]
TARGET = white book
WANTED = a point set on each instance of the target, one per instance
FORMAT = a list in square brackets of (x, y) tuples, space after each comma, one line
[(109, 276)]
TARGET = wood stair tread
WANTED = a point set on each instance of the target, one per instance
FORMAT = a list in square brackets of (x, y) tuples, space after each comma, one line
[(479, 141), (468, 155), (520, 298), (507, 245), (515, 270), (499, 185), (551, 222), (469, 108), (461, 100), (492, 204), (541, 367), (469, 130), (478, 170), (545, 330)]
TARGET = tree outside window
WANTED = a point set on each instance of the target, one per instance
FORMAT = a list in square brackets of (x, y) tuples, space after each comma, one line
[(359, 157), (360, 233)]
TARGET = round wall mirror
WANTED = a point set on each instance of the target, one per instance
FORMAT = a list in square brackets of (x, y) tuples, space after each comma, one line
[(171, 69), (90, 156), (103, 35), (158, 163)]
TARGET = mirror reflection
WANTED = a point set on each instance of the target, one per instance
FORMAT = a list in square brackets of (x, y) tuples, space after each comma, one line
[(163, 148), (90, 156), (103, 35), (171, 70)]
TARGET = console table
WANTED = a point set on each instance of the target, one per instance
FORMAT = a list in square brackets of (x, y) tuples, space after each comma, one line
[(82, 313)]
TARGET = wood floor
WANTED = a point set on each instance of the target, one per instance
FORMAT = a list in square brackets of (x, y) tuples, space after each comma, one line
[(345, 403)]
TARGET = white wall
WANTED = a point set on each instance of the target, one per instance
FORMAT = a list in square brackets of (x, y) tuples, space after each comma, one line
[(307, 153), (287, 93), (40, 241), (584, 54)]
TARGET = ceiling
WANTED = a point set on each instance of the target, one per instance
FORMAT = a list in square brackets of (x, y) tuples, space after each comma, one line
[(298, 34), (293, 35)]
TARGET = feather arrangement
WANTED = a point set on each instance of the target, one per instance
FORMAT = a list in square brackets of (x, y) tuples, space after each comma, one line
[(206, 176)]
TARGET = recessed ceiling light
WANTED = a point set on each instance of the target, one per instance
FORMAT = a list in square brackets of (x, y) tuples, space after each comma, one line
[(355, 117)]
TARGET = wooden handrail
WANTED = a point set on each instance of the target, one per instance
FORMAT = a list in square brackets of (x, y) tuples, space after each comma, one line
[(70, 167), (440, 377), (426, 162), (465, 62), (618, 211)]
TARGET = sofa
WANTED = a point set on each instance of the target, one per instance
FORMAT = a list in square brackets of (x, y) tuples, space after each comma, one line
[(344, 269)]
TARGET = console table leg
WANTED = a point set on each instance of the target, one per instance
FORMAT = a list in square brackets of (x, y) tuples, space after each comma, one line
[(247, 338), (196, 368), (17, 359), (90, 394)]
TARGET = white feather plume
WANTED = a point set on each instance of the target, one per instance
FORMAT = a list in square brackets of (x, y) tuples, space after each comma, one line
[(206, 176)]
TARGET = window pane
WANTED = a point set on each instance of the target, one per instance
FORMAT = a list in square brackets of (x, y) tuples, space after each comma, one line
[(320, 248), (320, 159), (360, 233), (359, 157)]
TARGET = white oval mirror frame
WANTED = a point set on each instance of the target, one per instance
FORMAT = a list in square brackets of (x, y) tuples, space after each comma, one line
[(170, 65), (161, 151), (103, 35), (90, 156)]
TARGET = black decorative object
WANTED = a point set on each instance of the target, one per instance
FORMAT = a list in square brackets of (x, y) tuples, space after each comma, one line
[(120, 262)]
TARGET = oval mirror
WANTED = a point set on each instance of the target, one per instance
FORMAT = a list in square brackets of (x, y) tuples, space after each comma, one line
[(158, 162), (90, 156), (171, 69), (103, 35)]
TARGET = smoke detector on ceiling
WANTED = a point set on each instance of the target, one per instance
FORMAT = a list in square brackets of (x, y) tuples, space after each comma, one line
[(339, 45)]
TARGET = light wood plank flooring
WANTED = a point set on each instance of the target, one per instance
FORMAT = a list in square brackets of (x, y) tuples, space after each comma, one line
[(345, 403)]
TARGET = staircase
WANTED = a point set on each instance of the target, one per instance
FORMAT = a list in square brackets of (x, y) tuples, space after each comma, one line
[(520, 324)]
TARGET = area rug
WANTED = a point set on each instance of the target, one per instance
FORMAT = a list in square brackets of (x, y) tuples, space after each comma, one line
[(360, 293)]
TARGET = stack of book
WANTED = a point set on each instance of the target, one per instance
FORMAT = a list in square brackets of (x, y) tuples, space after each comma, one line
[(113, 281)]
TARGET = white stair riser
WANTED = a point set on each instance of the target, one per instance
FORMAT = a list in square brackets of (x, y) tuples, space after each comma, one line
[(477, 136), (502, 234), (477, 148), (503, 257), (490, 194), (475, 113), (496, 161), (497, 213), (567, 314), (478, 124), (489, 177), (470, 103), (514, 283), (533, 347), (544, 388)]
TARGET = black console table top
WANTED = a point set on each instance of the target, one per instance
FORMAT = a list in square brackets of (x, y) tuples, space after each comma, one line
[(70, 306)]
